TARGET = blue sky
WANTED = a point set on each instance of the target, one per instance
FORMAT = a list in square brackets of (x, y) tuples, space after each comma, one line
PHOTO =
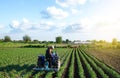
[(71, 19)]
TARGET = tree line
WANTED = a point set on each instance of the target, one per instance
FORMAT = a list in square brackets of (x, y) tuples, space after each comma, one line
[(58, 39), (27, 39)]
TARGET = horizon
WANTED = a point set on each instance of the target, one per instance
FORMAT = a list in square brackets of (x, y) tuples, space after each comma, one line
[(72, 19), (79, 40)]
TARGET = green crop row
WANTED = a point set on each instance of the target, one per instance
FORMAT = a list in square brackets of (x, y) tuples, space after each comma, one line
[(64, 65), (71, 68), (108, 70), (80, 67), (63, 56), (95, 67), (90, 70), (18, 62)]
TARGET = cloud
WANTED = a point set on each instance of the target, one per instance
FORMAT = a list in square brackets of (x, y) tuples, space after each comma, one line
[(100, 24), (15, 24), (45, 25), (67, 3), (23, 25), (26, 25), (96, 27), (72, 28), (25, 20), (101, 27), (74, 11), (63, 4), (53, 12), (4, 29), (1, 26), (93, 1)]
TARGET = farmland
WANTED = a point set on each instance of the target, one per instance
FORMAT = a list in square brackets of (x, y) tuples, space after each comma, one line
[(75, 63), (108, 56)]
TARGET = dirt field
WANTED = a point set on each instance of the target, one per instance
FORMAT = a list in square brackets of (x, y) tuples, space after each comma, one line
[(109, 56)]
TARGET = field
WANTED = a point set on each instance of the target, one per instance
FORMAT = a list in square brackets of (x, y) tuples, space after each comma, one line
[(108, 56), (75, 63)]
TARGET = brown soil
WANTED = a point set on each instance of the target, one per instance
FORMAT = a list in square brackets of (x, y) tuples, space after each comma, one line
[(75, 67), (110, 57)]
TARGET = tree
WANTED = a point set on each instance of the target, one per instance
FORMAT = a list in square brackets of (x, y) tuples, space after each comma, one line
[(101, 41), (1, 40), (26, 38), (7, 39), (67, 41), (59, 39), (44, 42), (94, 41), (114, 41), (36, 41)]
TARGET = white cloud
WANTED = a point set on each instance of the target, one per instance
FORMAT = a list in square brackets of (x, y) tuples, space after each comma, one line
[(97, 27), (15, 24), (22, 25), (72, 28), (25, 20), (63, 4), (74, 11), (56, 13), (100, 22), (101, 27), (26, 25), (67, 3), (93, 0), (45, 25), (1, 26)]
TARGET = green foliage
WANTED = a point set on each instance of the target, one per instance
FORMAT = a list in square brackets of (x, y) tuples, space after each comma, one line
[(107, 69), (80, 67), (34, 46), (118, 46), (64, 63), (96, 68), (36, 41), (59, 39), (71, 68), (18, 63), (67, 41), (7, 39), (90, 70), (26, 38), (1, 40), (114, 41)]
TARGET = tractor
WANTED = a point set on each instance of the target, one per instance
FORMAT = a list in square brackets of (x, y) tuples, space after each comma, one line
[(43, 64)]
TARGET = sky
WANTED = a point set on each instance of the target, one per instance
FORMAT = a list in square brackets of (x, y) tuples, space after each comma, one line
[(71, 19)]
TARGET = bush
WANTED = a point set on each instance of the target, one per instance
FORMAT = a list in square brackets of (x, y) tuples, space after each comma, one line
[(34, 46), (118, 46)]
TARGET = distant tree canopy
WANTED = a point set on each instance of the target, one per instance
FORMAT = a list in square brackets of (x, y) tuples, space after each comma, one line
[(59, 39), (94, 41), (36, 41), (7, 39), (26, 38), (114, 41), (102, 41), (67, 41)]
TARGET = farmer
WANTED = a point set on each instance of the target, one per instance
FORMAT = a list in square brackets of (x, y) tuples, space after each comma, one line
[(49, 55)]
